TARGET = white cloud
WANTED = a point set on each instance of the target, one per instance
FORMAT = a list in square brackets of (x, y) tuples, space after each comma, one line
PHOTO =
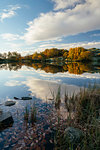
[(10, 37), (53, 25), (62, 4), (71, 45), (8, 13)]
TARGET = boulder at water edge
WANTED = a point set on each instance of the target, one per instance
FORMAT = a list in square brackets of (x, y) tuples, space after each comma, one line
[(72, 137), (6, 120)]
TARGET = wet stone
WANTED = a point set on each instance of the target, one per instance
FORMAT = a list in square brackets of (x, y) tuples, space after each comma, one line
[(10, 103), (26, 98)]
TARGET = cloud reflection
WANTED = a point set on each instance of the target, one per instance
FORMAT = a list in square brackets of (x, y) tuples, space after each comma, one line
[(12, 83), (43, 89)]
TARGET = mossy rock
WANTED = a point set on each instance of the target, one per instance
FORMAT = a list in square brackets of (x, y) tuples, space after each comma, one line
[(72, 137)]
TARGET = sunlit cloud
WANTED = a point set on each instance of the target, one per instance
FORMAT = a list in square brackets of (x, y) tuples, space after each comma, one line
[(9, 12), (55, 25)]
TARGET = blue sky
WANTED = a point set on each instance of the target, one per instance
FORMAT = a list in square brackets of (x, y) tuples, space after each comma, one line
[(33, 25)]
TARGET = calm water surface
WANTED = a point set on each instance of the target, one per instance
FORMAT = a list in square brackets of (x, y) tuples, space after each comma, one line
[(39, 82)]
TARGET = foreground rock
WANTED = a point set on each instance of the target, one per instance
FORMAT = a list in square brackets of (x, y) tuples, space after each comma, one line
[(72, 137), (9, 103), (6, 120)]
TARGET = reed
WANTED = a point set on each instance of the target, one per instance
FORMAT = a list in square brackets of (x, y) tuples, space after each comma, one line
[(33, 113), (86, 107), (30, 114), (26, 114), (58, 98)]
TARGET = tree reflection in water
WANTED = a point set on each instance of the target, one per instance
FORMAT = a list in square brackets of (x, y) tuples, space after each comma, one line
[(73, 68)]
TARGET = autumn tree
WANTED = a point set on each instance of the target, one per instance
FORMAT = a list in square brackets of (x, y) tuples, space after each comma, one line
[(79, 53), (53, 52), (35, 56)]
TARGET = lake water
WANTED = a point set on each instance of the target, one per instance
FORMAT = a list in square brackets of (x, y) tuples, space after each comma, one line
[(41, 82)]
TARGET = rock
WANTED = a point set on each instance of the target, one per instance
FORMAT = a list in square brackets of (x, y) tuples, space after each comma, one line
[(26, 98), (9, 103), (6, 120), (23, 98), (16, 98), (72, 137)]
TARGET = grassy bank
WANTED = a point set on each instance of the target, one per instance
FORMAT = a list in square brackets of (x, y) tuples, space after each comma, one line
[(86, 108)]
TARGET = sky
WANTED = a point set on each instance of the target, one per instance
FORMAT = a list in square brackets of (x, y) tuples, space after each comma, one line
[(27, 26)]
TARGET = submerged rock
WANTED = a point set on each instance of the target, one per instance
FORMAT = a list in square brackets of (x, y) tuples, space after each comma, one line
[(9, 103), (26, 98), (6, 120), (72, 137)]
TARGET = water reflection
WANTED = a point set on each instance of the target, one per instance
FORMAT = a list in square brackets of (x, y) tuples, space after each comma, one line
[(41, 82), (45, 89), (73, 68), (11, 66), (79, 68)]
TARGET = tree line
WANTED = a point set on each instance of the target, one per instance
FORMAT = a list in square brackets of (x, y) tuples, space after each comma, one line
[(74, 54)]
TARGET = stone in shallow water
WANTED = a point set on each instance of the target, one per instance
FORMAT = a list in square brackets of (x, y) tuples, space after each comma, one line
[(16, 98), (26, 98), (9, 103), (6, 120)]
